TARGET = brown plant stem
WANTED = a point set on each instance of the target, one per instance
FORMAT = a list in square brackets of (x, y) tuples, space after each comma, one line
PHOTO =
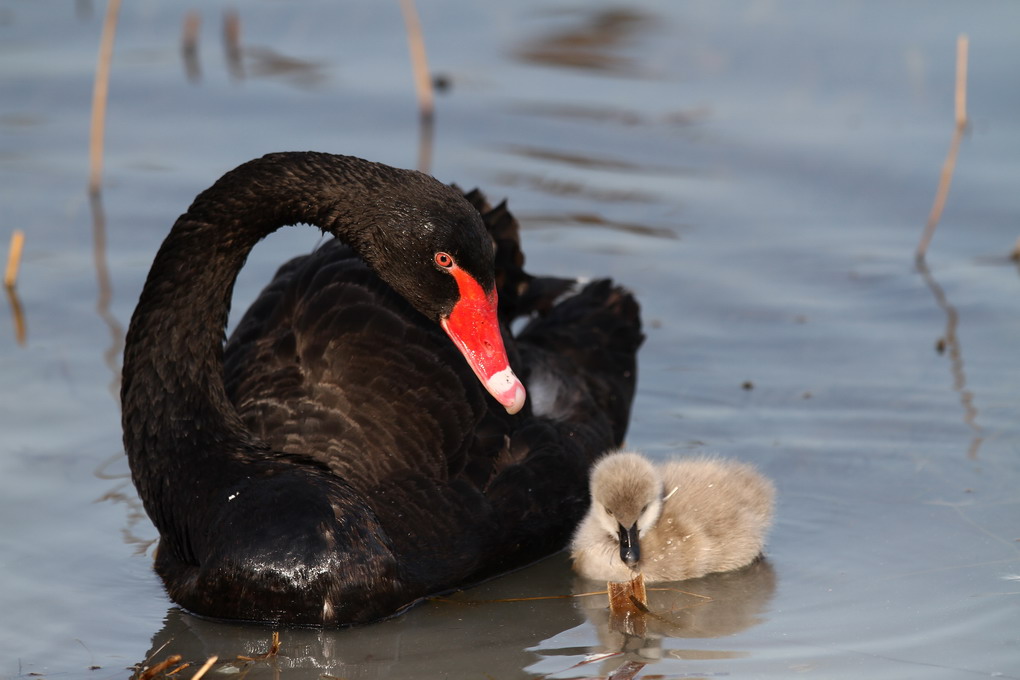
[(99, 96), (422, 82), (946, 177)]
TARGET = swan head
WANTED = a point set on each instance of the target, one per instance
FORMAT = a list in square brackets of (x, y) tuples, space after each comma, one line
[(627, 498), (431, 246)]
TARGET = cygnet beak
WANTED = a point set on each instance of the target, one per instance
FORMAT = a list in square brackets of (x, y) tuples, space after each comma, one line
[(630, 547)]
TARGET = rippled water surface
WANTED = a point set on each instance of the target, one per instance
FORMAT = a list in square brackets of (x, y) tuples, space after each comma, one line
[(759, 173)]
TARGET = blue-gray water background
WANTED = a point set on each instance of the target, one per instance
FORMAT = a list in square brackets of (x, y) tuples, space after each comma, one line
[(758, 172)]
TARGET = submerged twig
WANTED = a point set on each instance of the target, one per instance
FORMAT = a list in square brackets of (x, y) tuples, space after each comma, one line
[(946, 178), (99, 96)]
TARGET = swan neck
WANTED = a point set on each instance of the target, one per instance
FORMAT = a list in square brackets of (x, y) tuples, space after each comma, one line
[(173, 396)]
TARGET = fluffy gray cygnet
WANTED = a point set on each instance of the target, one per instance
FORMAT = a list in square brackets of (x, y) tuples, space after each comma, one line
[(674, 521)]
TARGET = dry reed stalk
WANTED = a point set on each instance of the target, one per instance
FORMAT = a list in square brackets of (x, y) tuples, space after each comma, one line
[(14, 258), (177, 670), (962, 46), (946, 177), (205, 668), (150, 672), (419, 62), (99, 95), (422, 83)]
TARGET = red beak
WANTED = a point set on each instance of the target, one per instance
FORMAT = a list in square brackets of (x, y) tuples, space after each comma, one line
[(474, 328)]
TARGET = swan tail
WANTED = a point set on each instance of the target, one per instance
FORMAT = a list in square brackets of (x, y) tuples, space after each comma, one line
[(583, 356), (520, 293)]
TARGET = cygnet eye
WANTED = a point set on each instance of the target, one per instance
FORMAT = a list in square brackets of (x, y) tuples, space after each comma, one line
[(608, 511), (644, 510)]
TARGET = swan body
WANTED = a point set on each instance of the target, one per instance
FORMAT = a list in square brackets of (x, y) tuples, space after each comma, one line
[(363, 439), (670, 522)]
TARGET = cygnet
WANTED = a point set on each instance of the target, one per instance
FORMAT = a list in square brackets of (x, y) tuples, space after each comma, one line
[(678, 520)]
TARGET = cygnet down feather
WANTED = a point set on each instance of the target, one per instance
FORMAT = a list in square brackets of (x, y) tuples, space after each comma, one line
[(674, 521)]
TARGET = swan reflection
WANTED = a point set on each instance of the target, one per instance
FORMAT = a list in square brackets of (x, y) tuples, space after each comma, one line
[(714, 606)]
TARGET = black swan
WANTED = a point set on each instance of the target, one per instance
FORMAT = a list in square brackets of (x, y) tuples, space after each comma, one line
[(338, 460)]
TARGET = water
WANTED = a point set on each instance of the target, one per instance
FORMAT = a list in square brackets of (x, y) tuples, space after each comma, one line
[(757, 172)]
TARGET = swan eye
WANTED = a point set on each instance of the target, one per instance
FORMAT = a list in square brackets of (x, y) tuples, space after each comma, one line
[(444, 260), (644, 510), (609, 512)]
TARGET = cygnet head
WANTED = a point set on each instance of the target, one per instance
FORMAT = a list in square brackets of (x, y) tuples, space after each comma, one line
[(626, 496)]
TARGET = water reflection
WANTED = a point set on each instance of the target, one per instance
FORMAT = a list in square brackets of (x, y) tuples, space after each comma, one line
[(135, 516), (83, 9), (511, 622), (266, 62), (111, 356), (593, 43), (189, 45), (232, 43), (423, 644), (426, 130), (242, 62), (428, 641), (562, 187), (123, 491), (589, 220), (17, 315), (950, 342), (715, 606), (625, 117), (591, 162)]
